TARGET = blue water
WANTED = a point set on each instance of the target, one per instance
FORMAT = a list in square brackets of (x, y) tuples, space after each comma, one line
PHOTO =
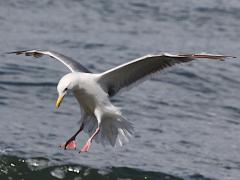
[(186, 119)]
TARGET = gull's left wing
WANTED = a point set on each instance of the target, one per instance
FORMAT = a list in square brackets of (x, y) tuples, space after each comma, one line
[(126, 74), (71, 64)]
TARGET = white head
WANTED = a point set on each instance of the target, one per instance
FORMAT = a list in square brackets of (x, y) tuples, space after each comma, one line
[(67, 83)]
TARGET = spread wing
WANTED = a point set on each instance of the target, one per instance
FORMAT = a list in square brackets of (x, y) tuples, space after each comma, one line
[(126, 74), (71, 64)]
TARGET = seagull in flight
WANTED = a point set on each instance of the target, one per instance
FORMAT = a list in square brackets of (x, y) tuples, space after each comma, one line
[(102, 120)]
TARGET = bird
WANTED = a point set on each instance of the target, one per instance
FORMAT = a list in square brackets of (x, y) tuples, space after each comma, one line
[(100, 119)]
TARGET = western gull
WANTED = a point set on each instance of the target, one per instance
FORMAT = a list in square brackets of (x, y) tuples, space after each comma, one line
[(102, 120)]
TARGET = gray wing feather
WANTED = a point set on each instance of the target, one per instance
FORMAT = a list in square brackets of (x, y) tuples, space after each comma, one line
[(71, 64), (124, 75)]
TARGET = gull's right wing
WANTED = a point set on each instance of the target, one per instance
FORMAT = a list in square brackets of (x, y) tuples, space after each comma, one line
[(127, 74)]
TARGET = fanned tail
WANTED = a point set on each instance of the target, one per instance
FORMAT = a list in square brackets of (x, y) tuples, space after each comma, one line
[(113, 130)]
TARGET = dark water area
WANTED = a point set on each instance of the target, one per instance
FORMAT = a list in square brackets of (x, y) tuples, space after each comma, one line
[(186, 118), (37, 168)]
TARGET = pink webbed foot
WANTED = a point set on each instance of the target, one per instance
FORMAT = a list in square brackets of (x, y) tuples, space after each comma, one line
[(69, 145), (86, 147)]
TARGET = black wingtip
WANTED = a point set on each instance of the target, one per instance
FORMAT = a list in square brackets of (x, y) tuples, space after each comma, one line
[(33, 53), (9, 52), (227, 56), (15, 52)]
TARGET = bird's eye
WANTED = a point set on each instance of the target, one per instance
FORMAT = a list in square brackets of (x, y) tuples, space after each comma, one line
[(65, 89)]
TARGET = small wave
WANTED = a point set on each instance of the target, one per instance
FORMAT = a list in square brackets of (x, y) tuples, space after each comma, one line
[(12, 167), (219, 10)]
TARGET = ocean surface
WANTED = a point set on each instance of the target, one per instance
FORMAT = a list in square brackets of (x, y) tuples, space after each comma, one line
[(186, 119)]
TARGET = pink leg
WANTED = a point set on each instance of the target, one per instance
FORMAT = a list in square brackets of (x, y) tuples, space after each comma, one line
[(86, 147), (71, 143)]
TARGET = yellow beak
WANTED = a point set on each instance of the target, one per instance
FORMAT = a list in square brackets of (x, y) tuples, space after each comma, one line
[(59, 101)]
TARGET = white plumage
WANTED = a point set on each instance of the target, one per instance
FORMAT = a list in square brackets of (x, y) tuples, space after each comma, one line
[(100, 118)]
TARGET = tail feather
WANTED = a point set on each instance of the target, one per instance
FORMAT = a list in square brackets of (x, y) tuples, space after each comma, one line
[(113, 131), (116, 131)]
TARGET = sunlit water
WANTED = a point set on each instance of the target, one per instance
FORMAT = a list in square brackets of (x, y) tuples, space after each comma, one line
[(186, 118)]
